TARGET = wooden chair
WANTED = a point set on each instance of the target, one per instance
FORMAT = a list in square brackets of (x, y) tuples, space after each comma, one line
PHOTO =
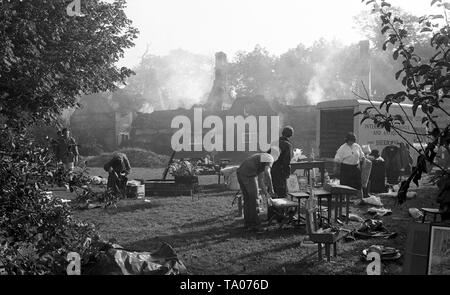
[(320, 236), (433, 211)]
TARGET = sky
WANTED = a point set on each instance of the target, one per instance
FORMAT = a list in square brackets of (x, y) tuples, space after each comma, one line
[(209, 26)]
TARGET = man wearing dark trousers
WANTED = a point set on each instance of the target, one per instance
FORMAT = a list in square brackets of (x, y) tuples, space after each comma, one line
[(252, 174), (281, 169)]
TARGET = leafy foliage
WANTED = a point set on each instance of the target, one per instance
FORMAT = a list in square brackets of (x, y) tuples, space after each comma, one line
[(36, 232), (426, 83), (81, 184), (48, 58), (137, 157)]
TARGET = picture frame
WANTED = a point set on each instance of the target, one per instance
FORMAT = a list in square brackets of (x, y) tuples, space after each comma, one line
[(439, 250)]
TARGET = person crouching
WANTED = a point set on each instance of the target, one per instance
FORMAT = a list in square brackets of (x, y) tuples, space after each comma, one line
[(118, 168)]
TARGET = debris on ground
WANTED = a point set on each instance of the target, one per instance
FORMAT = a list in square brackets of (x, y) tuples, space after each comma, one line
[(355, 217), (415, 213), (379, 211), (372, 200), (373, 228), (115, 260), (387, 253)]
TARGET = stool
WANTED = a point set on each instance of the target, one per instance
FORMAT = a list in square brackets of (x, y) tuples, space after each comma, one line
[(433, 211), (299, 196), (279, 207)]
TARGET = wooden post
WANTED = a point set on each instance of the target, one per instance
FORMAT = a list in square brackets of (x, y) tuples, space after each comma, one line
[(327, 250), (319, 251)]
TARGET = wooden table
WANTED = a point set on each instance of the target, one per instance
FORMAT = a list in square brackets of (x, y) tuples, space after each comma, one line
[(340, 192), (309, 165)]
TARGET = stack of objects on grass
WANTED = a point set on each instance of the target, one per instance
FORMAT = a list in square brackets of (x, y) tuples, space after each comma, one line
[(135, 189)]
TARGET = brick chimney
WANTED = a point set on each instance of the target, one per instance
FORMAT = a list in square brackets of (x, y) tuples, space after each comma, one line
[(219, 92)]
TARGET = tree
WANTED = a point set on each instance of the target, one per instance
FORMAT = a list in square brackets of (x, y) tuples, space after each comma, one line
[(293, 72), (253, 73), (48, 58), (426, 82), (383, 67)]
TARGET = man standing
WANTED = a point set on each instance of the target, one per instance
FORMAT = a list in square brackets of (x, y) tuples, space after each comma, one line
[(281, 169), (67, 150), (254, 170), (118, 168)]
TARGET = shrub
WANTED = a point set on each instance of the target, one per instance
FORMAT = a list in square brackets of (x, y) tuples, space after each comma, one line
[(137, 157), (90, 149), (36, 232)]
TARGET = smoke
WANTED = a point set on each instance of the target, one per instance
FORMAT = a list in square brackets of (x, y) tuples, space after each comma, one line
[(147, 108), (185, 90), (326, 82), (315, 92), (180, 79)]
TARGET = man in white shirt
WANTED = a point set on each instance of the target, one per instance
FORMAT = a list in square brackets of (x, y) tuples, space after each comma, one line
[(349, 155)]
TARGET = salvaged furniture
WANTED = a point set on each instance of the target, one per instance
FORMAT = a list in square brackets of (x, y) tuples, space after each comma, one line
[(341, 193), (432, 211), (279, 208), (327, 237), (299, 196), (309, 165), (320, 194)]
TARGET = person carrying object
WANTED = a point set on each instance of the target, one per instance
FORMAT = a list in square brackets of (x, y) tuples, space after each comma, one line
[(252, 174), (118, 168), (349, 156)]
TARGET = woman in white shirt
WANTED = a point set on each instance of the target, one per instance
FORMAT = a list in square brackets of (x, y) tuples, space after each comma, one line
[(349, 156)]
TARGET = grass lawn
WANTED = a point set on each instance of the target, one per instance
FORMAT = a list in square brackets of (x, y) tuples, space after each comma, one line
[(210, 239)]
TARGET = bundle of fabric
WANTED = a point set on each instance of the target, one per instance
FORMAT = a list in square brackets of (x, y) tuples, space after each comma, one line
[(380, 212), (97, 180), (373, 200), (415, 213), (373, 228), (115, 260)]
